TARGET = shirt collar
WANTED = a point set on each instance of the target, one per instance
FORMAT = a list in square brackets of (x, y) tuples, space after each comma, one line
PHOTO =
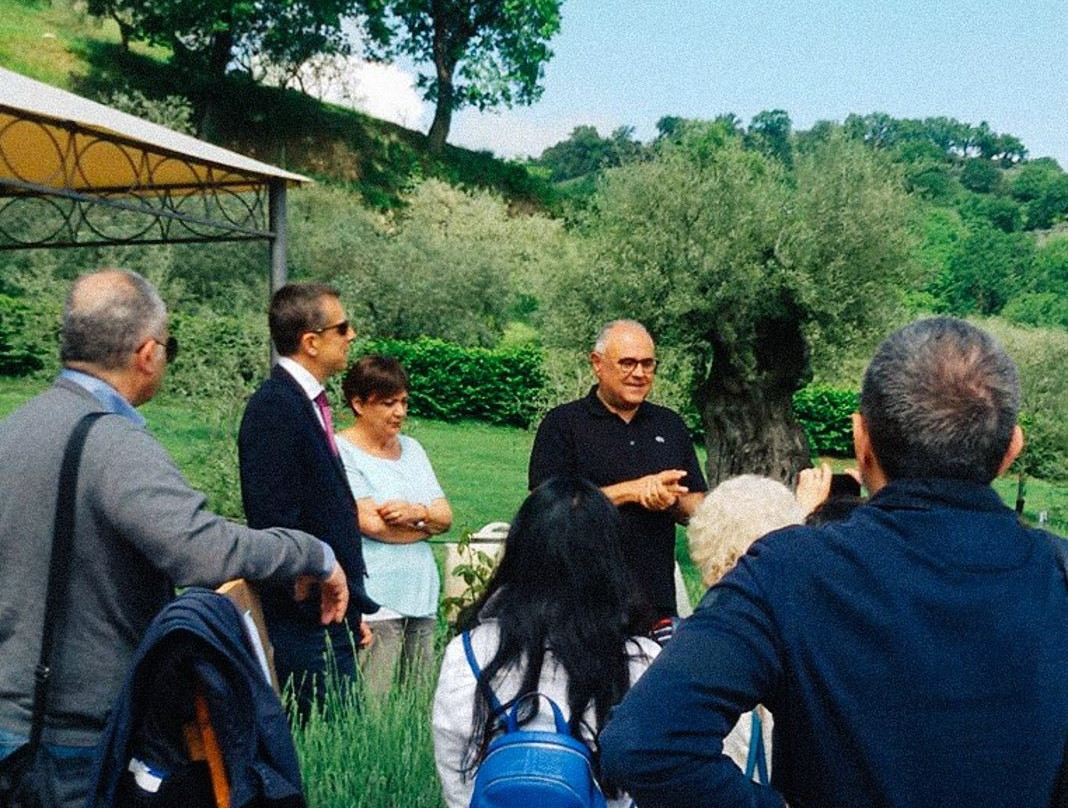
[(599, 408), (308, 383), (108, 396)]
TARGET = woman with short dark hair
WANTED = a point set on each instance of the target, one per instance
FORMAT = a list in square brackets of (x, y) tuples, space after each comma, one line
[(400, 505), (558, 618)]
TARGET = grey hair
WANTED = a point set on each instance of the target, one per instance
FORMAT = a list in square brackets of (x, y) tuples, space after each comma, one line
[(732, 516), (940, 399), (602, 335), (108, 315)]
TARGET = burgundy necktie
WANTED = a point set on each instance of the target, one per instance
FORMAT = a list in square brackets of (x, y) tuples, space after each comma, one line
[(328, 420)]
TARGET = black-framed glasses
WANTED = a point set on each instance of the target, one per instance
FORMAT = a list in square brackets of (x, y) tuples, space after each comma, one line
[(341, 328), (170, 347), (629, 364)]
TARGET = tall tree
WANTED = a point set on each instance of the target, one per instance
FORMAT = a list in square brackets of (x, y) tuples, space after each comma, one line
[(746, 271), (207, 37), (482, 53)]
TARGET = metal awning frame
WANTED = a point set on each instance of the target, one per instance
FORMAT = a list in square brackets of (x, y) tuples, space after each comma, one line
[(74, 173)]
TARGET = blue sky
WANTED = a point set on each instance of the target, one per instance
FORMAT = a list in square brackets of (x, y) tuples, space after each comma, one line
[(631, 62)]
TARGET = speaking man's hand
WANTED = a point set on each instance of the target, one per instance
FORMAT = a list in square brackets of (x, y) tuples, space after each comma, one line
[(662, 490)]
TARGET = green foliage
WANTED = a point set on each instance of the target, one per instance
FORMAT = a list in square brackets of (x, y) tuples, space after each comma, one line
[(769, 133), (1046, 309), (1041, 356), (744, 268), (475, 572), (986, 269), (224, 354), (206, 35), (954, 140), (173, 111), (1001, 212), (1042, 187), (825, 415), (452, 265), (449, 382), (21, 349), (980, 175), (586, 152)]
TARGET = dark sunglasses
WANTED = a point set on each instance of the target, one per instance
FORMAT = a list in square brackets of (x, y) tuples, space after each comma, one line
[(170, 347), (341, 328)]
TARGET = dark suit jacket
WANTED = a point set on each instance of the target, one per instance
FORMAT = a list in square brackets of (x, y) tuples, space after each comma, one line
[(290, 478)]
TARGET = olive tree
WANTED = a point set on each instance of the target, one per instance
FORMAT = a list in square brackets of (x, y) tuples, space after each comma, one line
[(746, 270)]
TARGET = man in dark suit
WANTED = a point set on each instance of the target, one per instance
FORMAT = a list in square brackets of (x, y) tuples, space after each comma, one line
[(291, 477)]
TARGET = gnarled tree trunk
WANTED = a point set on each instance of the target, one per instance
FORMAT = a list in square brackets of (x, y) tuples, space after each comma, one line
[(748, 418)]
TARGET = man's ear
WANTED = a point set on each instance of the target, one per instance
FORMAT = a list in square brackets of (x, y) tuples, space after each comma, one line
[(309, 343), (595, 360), (145, 358), (871, 473), (1016, 445)]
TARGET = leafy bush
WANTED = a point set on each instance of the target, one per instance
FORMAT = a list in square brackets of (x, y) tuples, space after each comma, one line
[(1041, 354), (1038, 308), (22, 348), (449, 382), (223, 355), (824, 413)]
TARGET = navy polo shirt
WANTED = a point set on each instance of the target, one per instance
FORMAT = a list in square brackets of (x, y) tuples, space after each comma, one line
[(586, 439)]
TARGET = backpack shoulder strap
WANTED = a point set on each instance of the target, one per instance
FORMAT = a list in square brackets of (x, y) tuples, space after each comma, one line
[(757, 761), (495, 703)]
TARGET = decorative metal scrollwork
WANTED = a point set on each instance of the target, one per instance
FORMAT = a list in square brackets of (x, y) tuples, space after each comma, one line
[(64, 185)]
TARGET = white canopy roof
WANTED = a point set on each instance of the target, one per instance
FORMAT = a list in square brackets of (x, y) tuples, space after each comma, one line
[(50, 138)]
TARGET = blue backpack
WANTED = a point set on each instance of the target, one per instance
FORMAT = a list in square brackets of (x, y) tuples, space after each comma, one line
[(533, 768)]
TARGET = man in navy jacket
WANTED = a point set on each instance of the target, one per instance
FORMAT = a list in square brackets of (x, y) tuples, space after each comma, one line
[(292, 477), (913, 654)]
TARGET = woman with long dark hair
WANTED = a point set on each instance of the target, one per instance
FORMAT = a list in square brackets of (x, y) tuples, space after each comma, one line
[(556, 618)]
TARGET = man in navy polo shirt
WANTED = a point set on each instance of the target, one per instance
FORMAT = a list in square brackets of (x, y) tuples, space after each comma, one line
[(639, 454)]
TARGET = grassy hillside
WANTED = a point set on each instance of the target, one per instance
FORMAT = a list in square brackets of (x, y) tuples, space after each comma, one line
[(58, 43)]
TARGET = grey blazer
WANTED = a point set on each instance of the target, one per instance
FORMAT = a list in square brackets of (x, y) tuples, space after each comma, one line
[(140, 530)]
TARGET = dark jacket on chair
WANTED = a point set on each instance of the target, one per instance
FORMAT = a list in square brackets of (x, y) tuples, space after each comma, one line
[(199, 643)]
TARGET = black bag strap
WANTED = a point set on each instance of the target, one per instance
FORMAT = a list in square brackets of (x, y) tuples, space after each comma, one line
[(58, 571)]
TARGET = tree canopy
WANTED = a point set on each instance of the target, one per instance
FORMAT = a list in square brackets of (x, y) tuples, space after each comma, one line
[(481, 53)]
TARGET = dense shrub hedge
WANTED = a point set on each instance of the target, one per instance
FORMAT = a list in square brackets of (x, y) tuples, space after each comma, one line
[(23, 349), (449, 382), (824, 413)]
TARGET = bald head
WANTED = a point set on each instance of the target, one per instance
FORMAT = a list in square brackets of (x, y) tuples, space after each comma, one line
[(621, 328), (107, 316)]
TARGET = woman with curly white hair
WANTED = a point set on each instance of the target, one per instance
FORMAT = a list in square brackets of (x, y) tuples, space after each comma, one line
[(733, 515)]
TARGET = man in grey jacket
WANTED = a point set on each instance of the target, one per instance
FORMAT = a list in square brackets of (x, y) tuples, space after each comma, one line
[(140, 530)]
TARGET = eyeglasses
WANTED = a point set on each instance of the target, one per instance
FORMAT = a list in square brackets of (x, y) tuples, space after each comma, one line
[(170, 347), (628, 365), (341, 328)]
